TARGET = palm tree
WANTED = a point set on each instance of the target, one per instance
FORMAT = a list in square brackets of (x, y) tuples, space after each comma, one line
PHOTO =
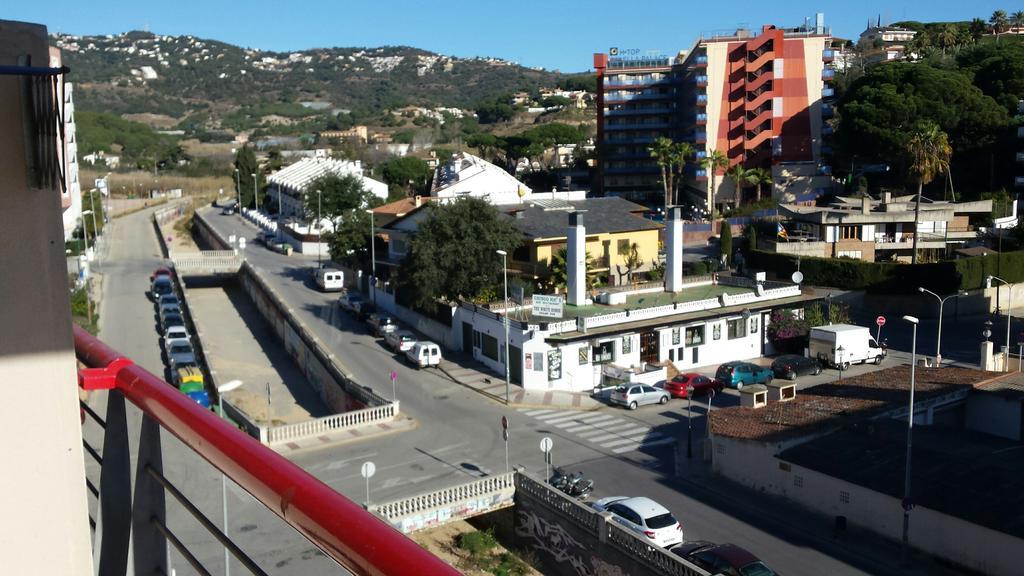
[(1017, 20), (929, 152), (947, 37), (740, 179), (758, 177), (663, 152), (976, 29), (998, 21), (681, 154), (712, 162)]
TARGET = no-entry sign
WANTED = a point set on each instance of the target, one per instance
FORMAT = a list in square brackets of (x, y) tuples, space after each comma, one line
[(880, 321)]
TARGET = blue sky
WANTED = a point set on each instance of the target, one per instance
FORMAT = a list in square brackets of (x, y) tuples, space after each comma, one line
[(555, 34)]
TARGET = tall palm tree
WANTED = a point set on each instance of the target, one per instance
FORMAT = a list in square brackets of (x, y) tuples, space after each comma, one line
[(998, 21), (664, 153), (712, 162), (1017, 20), (928, 150), (740, 179), (976, 29), (947, 37), (681, 154), (759, 177)]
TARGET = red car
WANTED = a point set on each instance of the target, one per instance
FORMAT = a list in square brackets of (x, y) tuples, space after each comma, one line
[(676, 387), (159, 272)]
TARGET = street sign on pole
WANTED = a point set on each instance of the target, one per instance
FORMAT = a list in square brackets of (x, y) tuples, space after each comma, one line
[(394, 378), (504, 422), (880, 321), (504, 436), (545, 447), (368, 470)]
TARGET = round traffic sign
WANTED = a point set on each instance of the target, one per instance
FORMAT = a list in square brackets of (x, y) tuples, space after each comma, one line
[(545, 444), (880, 321), (368, 470), (394, 375), (797, 277), (504, 423)]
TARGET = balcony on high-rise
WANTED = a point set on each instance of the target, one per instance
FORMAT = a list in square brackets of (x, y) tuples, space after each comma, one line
[(828, 55), (702, 119), (702, 100), (700, 62), (827, 111), (700, 137), (701, 80), (828, 74), (828, 92)]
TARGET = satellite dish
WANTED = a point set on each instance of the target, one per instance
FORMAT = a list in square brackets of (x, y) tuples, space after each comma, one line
[(797, 277)]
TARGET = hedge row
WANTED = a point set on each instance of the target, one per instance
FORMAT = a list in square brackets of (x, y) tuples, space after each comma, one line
[(892, 278)]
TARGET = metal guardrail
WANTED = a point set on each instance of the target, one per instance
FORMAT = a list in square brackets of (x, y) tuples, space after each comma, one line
[(342, 529)]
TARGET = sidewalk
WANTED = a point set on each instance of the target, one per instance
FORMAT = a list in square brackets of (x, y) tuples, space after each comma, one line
[(335, 438), (474, 375)]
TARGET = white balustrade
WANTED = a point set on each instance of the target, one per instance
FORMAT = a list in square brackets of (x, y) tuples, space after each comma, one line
[(334, 422)]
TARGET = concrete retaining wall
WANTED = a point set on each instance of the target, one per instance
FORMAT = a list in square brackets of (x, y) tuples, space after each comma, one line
[(439, 507)]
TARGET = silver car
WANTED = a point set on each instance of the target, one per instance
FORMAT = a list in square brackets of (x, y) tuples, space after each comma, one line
[(633, 395), (180, 353), (400, 340)]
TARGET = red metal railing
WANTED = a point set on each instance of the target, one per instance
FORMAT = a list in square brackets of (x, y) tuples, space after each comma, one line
[(356, 539)]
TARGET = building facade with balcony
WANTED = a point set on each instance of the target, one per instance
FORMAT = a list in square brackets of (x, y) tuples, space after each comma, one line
[(879, 43), (758, 99), (638, 101), (879, 230)]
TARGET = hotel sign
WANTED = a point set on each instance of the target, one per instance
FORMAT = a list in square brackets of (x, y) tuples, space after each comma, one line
[(632, 53), (548, 306)]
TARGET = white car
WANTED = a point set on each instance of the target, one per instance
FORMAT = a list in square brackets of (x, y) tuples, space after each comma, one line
[(400, 340), (424, 354), (644, 516), (174, 335)]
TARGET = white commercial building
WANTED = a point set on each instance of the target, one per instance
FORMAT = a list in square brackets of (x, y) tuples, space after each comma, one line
[(290, 185), (467, 175)]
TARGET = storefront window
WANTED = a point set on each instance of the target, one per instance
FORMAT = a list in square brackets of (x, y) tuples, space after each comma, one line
[(604, 352), (737, 328), (753, 324), (716, 332), (695, 336)]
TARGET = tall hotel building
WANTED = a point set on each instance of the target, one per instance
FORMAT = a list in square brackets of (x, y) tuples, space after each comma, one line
[(762, 101)]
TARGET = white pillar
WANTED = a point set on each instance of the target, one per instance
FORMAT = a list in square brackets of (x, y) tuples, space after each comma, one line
[(576, 260), (674, 253)]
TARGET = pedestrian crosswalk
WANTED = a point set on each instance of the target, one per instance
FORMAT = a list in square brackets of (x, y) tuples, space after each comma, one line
[(612, 433)]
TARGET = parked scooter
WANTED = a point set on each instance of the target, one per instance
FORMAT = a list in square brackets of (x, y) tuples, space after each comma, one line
[(572, 484)]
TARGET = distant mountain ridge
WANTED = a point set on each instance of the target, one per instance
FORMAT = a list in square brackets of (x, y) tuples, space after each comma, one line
[(141, 72)]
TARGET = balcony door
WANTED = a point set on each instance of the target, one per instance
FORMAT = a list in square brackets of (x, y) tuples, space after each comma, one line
[(649, 346)]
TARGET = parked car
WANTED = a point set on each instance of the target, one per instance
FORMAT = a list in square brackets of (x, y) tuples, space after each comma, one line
[(180, 353), (351, 301), (840, 345), (167, 309), (727, 559), (381, 324), (739, 374), (645, 517), (701, 385), (161, 271), (328, 280), (172, 320), (228, 210), (633, 395), (168, 300), (789, 366), (400, 340), (175, 334), (161, 286), (424, 354)]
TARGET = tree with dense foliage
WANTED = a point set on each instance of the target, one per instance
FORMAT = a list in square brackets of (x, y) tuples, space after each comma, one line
[(929, 152), (407, 174), (631, 258), (558, 270), (339, 196), (496, 110), (452, 255), (759, 177), (725, 243), (245, 163), (740, 179), (998, 20), (713, 162)]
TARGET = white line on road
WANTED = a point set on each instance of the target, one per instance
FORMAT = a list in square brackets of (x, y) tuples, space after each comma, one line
[(623, 434), (588, 419), (534, 412), (631, 448), (606, 427), (603, 420), (561, 417), (635, 439)]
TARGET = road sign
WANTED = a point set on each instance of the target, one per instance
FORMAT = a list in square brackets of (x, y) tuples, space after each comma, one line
[(797, 277), (516, 294), (504, 435), (548, 305), (394, 375), (368, 470), (504, 423), (880, 321), (545, 444)]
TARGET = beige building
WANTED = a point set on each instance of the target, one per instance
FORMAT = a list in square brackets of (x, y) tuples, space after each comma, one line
[(359, 133)]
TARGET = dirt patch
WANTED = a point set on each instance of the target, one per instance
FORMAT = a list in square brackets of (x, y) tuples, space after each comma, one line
[(443, 543), (159, 121)]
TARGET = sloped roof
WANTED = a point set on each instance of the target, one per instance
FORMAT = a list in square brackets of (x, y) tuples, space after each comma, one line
[(600, 216)]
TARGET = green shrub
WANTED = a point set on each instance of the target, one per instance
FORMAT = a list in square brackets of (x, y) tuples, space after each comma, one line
[(477, 543)]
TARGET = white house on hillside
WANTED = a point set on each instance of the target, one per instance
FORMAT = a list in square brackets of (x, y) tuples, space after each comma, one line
[(291, 184), (467, 175)]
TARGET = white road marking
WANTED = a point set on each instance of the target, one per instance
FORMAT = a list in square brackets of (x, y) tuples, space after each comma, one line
[(562, 417), (602, 421), (529, 412), (633, 447), (635, 439), (581, 419), (606, 428), (638, 429)]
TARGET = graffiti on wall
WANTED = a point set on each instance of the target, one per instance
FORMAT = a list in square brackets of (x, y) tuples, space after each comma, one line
[(457, 511), (551, 538)]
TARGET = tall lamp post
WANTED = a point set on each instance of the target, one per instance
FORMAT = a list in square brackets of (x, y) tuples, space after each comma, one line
[(319, 231), (85, 234), (942, 301), (689, 421), (373, 260), (221, 390), (504, 270), (238, 189), (1009, 315), (907, 503), (254, 183), (280, 212)]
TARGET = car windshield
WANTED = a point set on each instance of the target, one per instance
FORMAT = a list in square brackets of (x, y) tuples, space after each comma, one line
[(407, 338), (756, 569), (661, 521), (180, 349), (174, 320)]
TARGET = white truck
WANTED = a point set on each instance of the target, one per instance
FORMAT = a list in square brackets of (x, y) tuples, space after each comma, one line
[(839, 345)]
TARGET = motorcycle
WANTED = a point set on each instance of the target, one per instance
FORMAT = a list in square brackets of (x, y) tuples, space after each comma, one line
[(572, 484)]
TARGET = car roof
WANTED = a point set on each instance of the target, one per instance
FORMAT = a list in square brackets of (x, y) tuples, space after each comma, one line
[(788, 357), (733, 554), (423, 343), (689, 375), (177, 330), (643, 506)]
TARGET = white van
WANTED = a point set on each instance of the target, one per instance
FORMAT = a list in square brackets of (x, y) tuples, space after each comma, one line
[(424, 354), (844, 344), (330, 280)]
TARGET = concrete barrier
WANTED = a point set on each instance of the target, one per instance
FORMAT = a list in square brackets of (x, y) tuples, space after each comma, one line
[(439, 507)]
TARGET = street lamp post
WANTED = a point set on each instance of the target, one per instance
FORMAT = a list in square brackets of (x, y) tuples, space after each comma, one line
[(942, 302), (905, 550), (280, 212), (1009, 316), (504, 269), (373, 260), (689, 421), (254, 183), (839, 360), (238, 189), (88, 296), (319, 231), (221, 390), (95, 230)]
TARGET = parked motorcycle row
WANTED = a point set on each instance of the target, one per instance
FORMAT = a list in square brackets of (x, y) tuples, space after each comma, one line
[(574, 485)]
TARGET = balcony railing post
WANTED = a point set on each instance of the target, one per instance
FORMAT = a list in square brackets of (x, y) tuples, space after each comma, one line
[(115, 503), (150, 545)]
